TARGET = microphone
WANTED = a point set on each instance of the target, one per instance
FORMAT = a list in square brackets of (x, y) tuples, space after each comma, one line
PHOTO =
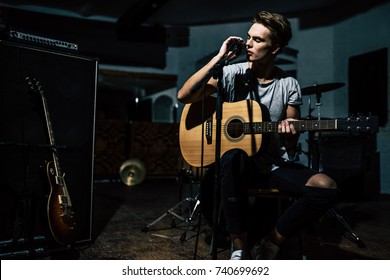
[(235, 49)]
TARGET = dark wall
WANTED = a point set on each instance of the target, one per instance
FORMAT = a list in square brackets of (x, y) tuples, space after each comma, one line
[(368, 77)]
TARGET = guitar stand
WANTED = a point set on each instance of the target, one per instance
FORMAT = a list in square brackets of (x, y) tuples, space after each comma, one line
[(172, 211)]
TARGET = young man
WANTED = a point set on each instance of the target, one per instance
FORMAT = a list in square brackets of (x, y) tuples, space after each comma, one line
[(259, 79)]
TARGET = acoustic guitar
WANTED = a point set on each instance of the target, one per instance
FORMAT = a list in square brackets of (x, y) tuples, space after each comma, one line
[(60, 213), (242, 127)]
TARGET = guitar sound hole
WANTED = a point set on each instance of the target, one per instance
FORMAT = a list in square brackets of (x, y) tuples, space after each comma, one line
[(235, 129)]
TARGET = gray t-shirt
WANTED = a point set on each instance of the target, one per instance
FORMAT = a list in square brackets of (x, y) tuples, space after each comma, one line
[(239, 84)]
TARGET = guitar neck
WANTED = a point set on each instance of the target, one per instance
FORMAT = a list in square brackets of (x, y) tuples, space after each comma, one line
[(52, 140), (300, 125), (242, 128)]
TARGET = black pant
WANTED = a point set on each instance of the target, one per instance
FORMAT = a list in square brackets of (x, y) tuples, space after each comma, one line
[(238, 174)]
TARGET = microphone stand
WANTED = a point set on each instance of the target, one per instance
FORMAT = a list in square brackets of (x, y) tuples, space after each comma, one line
[(216, 73)]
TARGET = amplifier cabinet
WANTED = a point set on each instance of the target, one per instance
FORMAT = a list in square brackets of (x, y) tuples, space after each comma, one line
[(352, 160), (69, 84)]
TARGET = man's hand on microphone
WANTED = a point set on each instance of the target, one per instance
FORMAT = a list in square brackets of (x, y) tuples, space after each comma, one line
[(231, 47)]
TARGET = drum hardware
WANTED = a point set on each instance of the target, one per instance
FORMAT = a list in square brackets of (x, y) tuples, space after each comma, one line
[(321, 88), (317, 90), (132, 172), (185, 177)]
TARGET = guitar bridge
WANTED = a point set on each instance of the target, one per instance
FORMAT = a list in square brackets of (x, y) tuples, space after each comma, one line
[(209, 131)]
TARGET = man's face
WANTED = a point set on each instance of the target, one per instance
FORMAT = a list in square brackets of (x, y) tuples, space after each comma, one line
[(259, 44)]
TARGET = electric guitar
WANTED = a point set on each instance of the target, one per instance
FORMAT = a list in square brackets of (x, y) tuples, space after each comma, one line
[(60, 213), (242, 127)]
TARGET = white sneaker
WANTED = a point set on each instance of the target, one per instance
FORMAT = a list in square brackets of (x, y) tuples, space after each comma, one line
[(238, 255), (265, 250)]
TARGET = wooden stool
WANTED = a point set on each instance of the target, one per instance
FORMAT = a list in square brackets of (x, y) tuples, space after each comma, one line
[(279, 195), (290, 250), (270, 193)]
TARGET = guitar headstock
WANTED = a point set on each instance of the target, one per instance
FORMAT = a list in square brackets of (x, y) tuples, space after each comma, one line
[(34, 85), (359, 124)]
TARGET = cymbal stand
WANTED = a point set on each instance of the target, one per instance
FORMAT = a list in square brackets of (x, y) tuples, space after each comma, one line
[(190, 218), (184, 177), (354, 236), (332, 212), (319, 151), (311, 133)]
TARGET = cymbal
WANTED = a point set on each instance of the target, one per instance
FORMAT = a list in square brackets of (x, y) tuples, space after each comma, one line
[(321, 88), (132, 172)]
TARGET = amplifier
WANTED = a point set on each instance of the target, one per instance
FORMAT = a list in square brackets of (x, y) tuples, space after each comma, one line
[(353, 161), (69, 82), (36, 40)]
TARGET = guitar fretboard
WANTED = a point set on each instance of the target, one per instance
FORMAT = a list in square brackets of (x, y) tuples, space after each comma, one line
[(52, 140), (37, 87), (301, 125)]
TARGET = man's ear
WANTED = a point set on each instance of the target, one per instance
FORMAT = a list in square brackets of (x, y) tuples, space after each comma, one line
[(276, 49)]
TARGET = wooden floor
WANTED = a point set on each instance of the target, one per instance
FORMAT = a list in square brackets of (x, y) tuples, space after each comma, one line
[(121, 216)]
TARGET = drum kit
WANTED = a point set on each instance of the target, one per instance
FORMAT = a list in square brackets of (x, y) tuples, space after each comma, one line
[(318, 89), (314, 137)]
